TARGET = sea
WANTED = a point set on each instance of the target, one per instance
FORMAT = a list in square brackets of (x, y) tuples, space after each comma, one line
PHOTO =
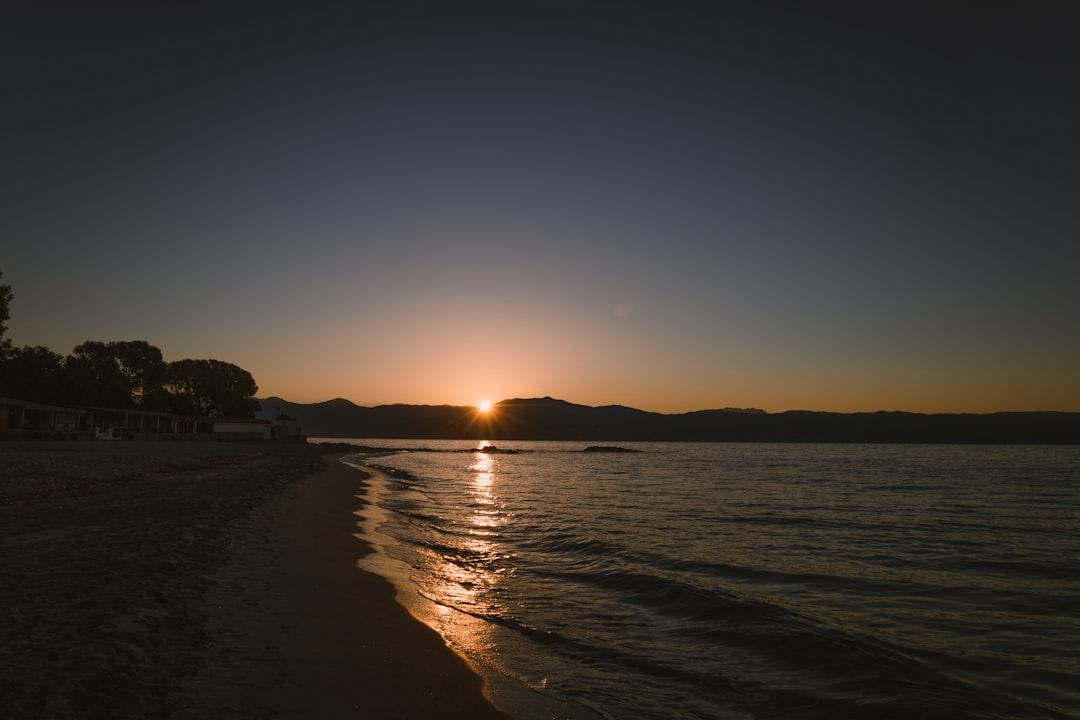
[(723, 580)]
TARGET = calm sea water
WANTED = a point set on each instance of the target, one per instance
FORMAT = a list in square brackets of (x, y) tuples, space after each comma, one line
[(751, 580)]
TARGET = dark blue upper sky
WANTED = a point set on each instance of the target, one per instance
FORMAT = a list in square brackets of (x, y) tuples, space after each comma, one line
[(830, 207)]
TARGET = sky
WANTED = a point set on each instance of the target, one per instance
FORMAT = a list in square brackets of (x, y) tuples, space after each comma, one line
[(834, 207)]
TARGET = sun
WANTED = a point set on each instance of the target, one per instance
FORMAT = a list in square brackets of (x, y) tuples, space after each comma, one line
[(484, 406)]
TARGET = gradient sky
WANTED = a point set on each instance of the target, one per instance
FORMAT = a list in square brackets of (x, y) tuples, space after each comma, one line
[(670, 209)]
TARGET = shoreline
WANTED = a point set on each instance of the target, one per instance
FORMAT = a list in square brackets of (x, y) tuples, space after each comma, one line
[(330, 640), (155, 579), (473, 639)]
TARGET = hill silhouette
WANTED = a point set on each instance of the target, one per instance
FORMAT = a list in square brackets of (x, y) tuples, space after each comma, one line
[(551, 419)]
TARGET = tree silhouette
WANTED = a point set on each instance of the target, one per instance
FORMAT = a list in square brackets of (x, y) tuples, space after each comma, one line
[(35, 373), (96, 376), (145, 371), (6, 296), (122, 374), (211, 387)]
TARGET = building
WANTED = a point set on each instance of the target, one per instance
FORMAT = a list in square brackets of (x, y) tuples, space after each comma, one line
[(150, 425), (133, 423), (30, 419), (242, 429), (22, 417), (287, 428), (194, 425)]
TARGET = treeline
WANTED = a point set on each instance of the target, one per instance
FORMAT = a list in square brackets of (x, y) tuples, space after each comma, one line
[(125, 374)]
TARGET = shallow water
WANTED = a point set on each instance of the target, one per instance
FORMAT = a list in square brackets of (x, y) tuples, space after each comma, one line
[(753, 580)]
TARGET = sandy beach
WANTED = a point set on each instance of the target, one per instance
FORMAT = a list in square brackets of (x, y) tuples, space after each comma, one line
[(203, 580)]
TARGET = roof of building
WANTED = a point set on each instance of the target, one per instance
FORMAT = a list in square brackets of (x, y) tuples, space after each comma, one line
[(250, 421), (8, 402), (129, 411), (27, 404)]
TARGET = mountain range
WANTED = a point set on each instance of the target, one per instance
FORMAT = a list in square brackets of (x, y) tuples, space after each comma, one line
[(551, 419)]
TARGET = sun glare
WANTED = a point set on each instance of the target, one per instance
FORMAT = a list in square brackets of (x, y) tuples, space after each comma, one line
[(484, 406)]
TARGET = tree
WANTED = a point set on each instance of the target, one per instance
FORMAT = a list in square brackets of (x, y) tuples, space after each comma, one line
[(145, 371), (123, 374), (211, 387), (34, 373), (181, 387), (129, 373), (6, 296), (96, 377)]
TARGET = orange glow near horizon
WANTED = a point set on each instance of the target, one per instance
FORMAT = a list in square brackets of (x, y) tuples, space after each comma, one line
[(432, 366), (484, 406)]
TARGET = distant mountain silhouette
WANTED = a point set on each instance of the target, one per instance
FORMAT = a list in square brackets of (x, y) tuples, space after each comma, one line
[(550, 419)]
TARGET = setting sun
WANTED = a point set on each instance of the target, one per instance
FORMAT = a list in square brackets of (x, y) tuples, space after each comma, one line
[(484, 406)]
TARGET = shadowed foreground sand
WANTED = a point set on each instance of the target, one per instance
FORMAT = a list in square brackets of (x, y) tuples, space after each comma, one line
[(146, 580)]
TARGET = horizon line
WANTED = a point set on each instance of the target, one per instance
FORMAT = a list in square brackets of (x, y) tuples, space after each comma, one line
[(744, 410)]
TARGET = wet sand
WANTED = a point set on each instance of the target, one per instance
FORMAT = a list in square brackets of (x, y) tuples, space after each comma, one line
[(171, 580)]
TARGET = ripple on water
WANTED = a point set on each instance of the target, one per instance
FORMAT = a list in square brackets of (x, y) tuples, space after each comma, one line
[(742, 580)]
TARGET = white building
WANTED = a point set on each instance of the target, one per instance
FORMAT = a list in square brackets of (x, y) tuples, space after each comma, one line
[(241, 429)]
